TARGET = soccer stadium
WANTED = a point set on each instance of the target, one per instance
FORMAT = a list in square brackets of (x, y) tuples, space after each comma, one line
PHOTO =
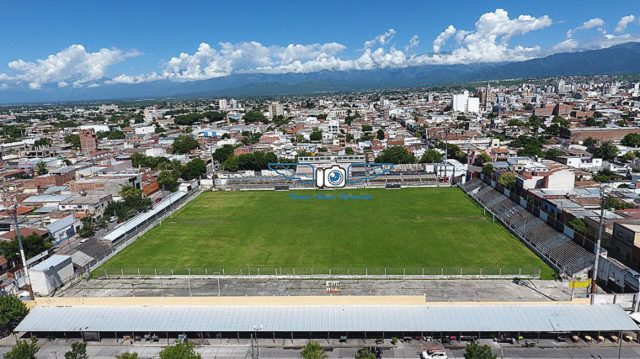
[(412, 231)]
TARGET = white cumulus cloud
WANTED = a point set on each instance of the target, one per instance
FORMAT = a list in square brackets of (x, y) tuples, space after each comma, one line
[(624, 22), (72, 66)]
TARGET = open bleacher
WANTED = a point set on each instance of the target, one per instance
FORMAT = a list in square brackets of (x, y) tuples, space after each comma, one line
[(557, 248)]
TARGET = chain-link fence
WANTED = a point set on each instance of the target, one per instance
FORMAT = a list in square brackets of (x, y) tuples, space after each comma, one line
[(275, 271)]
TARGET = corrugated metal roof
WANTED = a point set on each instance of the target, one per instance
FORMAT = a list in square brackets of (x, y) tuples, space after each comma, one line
[(142, 217), (52, 261), (353, 318)]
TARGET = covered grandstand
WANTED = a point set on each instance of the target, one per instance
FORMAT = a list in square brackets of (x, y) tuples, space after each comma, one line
[(318, 321), (557, 248)]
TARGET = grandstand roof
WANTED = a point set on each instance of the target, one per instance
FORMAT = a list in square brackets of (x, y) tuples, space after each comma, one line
[(337, 318), (143, 217)]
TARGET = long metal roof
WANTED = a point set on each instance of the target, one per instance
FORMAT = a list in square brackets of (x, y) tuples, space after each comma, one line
[(142, 217), (335, 318)]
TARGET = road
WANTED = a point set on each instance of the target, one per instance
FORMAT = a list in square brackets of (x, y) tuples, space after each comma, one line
[(270, 349)]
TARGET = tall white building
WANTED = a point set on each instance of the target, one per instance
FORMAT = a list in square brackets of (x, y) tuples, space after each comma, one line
[(276, 109), (463, 103), (222, 104)]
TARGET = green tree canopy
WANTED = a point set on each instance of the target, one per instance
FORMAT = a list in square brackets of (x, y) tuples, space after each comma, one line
[(184, 144), (487, 169), (552, 153), (365, 353), (395, 155), (78, 351), (431, 156), (507, 179), (578, 225), (313, 350), (183, 350), (631, 140), (24, 349), (316, 135), (607, 151), (589, 141), (12, 311), (168, 181), (195, 168), (221, 154), (254, 116), (380, 134), (33, 244), (478, 351), (73, 140), (41, 168), (127, 355), (481, 159)]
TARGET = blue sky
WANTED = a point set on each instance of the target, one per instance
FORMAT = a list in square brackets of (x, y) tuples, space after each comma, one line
[(135, 41)]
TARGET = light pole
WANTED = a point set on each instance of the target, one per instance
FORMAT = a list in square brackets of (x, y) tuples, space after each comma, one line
[(22, 255), (257, 328), (594, 276)]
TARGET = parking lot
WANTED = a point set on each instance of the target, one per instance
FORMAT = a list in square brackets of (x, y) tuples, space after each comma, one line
[(435, 290)]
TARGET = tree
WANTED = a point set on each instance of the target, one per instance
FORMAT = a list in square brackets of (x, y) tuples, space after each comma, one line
[(590, 122), (607, 151), (41, 168), (73, 140), (316, 135), (221, 154), (507, 179), (12, 311), (589, 141), (184, 144), (168, 181), (24, 349), (631, 140), (127, 355), (578, 225), (629, 156), (617, 203), (477, 351), (196, 168), (487, 169), (395, 155), (182, 350), (33, 244), (365, 353), (481, 159), (78, 351), (88, 228), (431, 156), (535, 122), (254, 116), (313, 350), (552, 153), (380, 134)]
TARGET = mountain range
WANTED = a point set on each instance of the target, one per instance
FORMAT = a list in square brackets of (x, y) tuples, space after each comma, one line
[(616, 60)]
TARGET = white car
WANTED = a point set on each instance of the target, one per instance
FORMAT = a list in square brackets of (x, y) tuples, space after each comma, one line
[(434, 354)]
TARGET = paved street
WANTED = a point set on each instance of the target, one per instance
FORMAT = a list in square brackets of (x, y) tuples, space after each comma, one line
[(267, 348)]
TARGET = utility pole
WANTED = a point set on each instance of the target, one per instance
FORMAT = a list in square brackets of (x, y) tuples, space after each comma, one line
[(22, 256), (594, 276)]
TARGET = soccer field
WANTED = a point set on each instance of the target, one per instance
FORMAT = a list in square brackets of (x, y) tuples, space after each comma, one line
[(408, 231)]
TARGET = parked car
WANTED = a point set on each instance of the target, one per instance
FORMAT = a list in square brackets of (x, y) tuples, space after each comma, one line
[(434, 354)]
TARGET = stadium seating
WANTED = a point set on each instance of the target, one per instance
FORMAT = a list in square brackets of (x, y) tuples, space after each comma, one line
[(558, 248)]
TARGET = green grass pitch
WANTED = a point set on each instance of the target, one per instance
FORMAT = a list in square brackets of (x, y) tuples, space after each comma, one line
[(438, 229)]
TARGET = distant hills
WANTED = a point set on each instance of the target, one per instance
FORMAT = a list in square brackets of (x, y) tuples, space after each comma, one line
[(616, 60)]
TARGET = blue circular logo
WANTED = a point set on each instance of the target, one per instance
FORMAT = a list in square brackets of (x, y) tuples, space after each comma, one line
[(335, 177)]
